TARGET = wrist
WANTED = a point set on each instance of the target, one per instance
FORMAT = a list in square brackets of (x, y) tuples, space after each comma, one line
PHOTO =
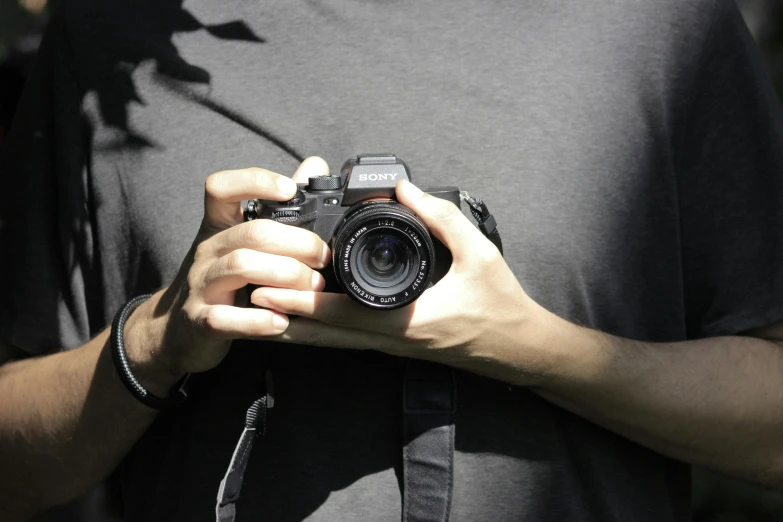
[(574, 356), (144, 335)]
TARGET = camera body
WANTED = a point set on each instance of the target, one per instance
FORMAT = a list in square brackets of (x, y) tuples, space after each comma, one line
[(383, 255)]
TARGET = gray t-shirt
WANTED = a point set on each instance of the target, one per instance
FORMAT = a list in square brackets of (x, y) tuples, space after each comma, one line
[(631, 152)]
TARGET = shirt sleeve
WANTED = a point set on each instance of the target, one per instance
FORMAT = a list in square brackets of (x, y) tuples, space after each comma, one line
[(45, 225), (730, 182)]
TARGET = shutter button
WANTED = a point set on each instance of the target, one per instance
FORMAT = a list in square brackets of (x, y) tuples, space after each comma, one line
[(297, 200)]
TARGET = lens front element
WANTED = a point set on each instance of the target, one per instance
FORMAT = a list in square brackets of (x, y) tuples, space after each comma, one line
[(385, 252), (384, 261)]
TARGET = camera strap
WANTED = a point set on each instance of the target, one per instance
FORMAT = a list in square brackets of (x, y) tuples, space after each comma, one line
[(231, 485), (255, 424), (429, 402)]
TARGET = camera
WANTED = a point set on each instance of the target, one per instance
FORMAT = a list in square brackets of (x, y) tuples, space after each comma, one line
[(383, 255)]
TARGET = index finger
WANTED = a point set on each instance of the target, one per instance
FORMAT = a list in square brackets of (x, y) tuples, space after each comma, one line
[(224, 190), (340, 310)]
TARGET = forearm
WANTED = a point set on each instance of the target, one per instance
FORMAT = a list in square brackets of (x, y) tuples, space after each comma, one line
[(66, 421), (714, 402)]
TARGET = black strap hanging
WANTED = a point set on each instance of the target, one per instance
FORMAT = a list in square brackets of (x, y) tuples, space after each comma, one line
[(231, 484), (429, 402), (255, 425)]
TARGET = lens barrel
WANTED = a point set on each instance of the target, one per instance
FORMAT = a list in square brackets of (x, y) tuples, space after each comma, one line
[(383, 255)]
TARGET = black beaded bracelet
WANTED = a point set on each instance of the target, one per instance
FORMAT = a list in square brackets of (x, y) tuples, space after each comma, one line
[(178, 394)]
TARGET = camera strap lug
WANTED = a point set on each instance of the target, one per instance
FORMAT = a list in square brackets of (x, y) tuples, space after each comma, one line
[(250, 209), (486, 221)]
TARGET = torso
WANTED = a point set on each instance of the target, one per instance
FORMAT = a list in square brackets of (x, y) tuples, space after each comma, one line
[(545, 110)]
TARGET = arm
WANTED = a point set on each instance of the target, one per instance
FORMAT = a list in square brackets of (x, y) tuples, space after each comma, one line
[(66, 420), (65, 423), (716, 402)]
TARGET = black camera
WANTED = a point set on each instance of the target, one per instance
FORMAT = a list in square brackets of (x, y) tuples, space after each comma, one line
[(382, 253)]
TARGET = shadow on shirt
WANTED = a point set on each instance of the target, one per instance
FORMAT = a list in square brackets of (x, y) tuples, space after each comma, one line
[(134, 32)]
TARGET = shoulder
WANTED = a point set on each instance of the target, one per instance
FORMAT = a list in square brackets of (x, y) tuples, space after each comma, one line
[(668, 26), (641, 37)]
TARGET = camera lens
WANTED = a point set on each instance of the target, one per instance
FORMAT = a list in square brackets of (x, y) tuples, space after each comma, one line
[(384, 260), (383, 255), (386, 256)]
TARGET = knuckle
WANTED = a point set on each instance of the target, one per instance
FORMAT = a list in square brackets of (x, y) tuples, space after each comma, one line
[(194, 281), (261, 178), (214, 184), (415, 333), (191, 313), (258, 232), (201, 251), (426, 335), (211, 321), (447, 210), (317, 340), (285, 273), (487, 255), (334, 317), (238, 261), (263, 227), (434, 340)]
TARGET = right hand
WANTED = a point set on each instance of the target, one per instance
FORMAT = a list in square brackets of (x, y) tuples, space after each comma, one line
[(188, 327)]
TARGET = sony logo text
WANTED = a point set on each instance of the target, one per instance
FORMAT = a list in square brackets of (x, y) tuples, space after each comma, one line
[(377, 177)]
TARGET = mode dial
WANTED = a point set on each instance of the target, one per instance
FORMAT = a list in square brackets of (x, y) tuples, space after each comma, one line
[(324, 183)]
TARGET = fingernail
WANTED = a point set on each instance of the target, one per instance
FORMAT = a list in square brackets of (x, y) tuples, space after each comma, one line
[(326, 255), (413, 190), (317, 281), (287, 186), (259, 301), (280, 322)]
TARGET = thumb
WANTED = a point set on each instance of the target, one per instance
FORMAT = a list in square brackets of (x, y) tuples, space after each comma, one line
[(443, 218), (310, 168)]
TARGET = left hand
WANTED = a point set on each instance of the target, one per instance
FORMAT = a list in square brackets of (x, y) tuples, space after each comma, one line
[(474, 318)]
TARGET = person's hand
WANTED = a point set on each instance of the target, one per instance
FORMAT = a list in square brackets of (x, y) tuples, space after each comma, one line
[(477, 311), (189, 326)]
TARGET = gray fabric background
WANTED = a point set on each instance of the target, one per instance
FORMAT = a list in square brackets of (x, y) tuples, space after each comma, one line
[(630, 151)]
